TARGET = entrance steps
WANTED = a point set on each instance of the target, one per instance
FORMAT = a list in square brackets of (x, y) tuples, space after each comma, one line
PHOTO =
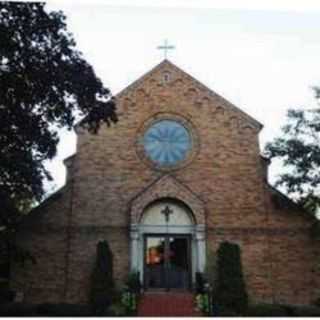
[(167, 304)]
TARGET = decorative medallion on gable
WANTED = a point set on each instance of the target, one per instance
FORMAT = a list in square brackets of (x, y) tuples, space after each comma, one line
[(167, 187)]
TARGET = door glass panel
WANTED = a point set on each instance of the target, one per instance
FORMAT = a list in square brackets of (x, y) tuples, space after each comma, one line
[(155, 262), (178, 269), (167, 262)]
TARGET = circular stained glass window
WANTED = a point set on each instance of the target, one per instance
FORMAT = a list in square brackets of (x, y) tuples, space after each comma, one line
[(167, 142)]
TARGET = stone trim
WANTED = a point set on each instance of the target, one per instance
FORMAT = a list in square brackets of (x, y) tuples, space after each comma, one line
[(167, 187)]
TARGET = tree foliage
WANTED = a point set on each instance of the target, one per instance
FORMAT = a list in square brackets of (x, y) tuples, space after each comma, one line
[(44, 83), (299, 150)]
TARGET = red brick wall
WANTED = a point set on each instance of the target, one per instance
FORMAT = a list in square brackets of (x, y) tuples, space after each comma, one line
[(225, 172)]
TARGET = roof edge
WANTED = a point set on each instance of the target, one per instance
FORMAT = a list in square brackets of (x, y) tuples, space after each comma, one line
[(296, 205), (141, 78), (256, 123), (252, 120)]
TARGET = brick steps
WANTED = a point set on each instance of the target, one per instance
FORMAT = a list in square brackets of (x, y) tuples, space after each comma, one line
[(167, 304)]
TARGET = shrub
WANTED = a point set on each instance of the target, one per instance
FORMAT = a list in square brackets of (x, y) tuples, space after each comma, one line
[(304, 311), (63, 310), (129, 300), (102, 289), (130, 295), (230, 290), (17, 310), (200, 282), (267, 310), (6, 295), (4, 283), (316, 302), (45, 310), (117, 310), (223, 312), (203, 303), (133, 282)]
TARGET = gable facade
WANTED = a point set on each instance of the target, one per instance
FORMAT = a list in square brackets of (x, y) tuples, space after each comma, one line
[(220, 185)]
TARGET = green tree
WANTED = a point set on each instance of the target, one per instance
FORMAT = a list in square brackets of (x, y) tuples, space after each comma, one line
[(45, 84), (298, 148), (44, 80)]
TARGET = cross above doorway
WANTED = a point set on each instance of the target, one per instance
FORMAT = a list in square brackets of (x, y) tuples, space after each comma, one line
[(166, 212)]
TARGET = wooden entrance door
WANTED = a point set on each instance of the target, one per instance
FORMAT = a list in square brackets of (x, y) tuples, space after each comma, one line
[(167, 262)]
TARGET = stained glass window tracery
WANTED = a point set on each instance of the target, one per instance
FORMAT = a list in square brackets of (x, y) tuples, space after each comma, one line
[(167, 142)]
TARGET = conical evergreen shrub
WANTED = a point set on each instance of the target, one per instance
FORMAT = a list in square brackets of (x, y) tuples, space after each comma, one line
[(231, 294), (102, 289)]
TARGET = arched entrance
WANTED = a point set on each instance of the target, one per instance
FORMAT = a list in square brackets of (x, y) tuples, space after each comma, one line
[(167, 245)]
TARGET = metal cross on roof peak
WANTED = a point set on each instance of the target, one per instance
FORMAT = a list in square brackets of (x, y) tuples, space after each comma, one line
[(165, 47)]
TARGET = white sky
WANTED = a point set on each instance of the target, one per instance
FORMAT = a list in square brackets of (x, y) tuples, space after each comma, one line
[(263, 56)]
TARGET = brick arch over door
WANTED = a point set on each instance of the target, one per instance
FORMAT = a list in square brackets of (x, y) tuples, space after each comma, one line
[(167, 187)]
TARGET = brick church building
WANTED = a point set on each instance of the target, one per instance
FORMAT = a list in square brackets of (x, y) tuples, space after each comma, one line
[(178, 174)]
